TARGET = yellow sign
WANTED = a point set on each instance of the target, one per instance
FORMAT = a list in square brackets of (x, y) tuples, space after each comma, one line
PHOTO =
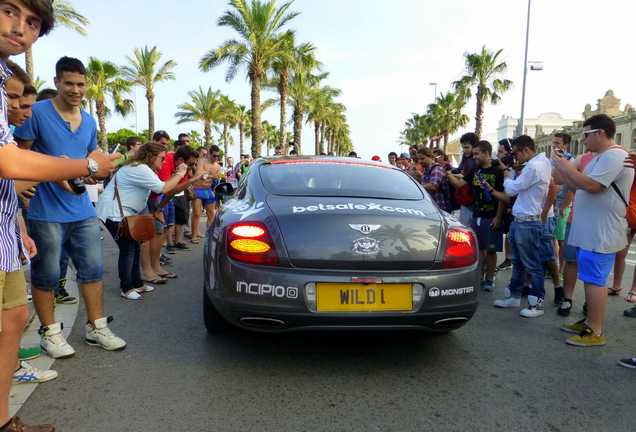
[(333, 297)]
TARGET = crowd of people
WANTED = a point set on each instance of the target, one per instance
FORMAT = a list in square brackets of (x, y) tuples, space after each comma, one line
[(546, 210), (544, 214)]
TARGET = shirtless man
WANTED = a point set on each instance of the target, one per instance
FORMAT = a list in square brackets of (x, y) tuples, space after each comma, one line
[(205, 194)]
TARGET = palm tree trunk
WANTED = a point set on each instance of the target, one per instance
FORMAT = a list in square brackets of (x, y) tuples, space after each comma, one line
[(241, 134), (479, 116), (103, 142), (257, 128), (322, 135), (298, 128), (317, 137), (446, 136), (207, 131), (28, 58), (284, 94), (151, 113), (225, 139)]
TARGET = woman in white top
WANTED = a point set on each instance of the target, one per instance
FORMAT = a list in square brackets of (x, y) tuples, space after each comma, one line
[(135, 178)]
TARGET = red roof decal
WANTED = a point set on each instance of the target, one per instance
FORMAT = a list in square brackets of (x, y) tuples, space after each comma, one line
[(326, 161)]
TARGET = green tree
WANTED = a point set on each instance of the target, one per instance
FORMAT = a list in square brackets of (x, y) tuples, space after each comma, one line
[(229, 117), (121, 136), (483, 70), (195, 138), (258, 25), (321, 108), (416, 130), (144, 70), (445, 115), (244, 124), (104, 81), (65, 16), (205, 108), (289, 58)]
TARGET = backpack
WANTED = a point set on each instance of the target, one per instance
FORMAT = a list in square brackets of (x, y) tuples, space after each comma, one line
[(462, 195), (631, 206)]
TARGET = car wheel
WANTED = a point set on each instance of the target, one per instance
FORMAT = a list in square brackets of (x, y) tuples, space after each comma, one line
[(214, 322)]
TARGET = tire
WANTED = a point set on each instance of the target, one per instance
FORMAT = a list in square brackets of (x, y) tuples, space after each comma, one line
[(213, 320)]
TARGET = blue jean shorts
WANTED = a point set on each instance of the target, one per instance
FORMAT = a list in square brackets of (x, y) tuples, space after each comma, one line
[(153, 206), (81, 241), (569, 251), (594, 267), (488, 239)]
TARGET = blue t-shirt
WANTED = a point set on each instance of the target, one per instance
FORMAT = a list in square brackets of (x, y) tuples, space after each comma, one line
[(51, 135)]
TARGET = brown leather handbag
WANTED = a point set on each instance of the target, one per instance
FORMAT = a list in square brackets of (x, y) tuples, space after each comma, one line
[(140, 228)]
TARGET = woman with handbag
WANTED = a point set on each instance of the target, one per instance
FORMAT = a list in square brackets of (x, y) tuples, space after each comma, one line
[(125, 197)]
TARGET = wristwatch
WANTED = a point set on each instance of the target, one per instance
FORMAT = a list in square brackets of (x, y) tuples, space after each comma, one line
[(92, 168)]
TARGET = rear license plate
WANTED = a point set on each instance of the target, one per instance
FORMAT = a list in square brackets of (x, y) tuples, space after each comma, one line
[(333, 297)]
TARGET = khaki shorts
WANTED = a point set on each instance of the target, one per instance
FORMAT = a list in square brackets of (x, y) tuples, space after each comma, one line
[(12, 290)]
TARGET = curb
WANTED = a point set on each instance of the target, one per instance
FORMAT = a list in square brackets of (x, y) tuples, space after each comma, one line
[(65, 314)]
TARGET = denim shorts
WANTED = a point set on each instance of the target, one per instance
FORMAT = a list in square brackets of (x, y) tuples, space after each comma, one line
[(168, 215), (594, 267), (569, 251), (488, 239), (82, 242)]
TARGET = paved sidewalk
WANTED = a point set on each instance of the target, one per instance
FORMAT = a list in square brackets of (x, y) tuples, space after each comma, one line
[(63, 313)]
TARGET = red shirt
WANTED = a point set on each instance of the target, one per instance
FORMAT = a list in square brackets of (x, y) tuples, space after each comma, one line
[(166, 171)]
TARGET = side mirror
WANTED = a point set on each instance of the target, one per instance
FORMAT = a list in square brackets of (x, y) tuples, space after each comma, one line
[(224, 190)]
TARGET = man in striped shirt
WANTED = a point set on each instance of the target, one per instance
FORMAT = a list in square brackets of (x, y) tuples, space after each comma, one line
[(21, 23)]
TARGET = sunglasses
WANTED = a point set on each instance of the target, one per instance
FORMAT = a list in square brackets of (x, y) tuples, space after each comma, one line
[(163, 158), (192, 163), (585, 133), (215, 156)]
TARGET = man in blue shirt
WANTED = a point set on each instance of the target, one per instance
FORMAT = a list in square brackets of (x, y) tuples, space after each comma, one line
[(59, 219)]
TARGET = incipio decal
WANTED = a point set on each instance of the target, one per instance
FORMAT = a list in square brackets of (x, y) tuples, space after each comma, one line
[(366, 246), (363, 207), (270, 290)]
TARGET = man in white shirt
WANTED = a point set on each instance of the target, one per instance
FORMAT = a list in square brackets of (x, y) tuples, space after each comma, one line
[(531, 188)]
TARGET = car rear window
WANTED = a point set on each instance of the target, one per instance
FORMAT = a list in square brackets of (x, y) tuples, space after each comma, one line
[(308, 177)]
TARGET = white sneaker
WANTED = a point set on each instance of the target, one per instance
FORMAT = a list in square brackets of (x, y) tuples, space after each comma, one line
[(534, 309), (102, 336), (53, 343), (508, 301), (32, 374)]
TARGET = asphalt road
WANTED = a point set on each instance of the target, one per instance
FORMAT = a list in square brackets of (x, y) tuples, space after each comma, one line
[(499, 372)]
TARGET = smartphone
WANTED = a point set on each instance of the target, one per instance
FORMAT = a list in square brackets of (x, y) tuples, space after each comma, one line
[(481, 180), (115, 149)]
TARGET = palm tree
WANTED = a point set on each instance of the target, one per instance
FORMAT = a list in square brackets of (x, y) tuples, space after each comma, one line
[(484, 72), (195, 137), (229, 116), (243, 118), (258, 25), (321, 107), (302, 85), (205, 108), (290, 57), (38, 83), (104, 80), (445, 116), (144, 70), (416, 130), (66, 16)]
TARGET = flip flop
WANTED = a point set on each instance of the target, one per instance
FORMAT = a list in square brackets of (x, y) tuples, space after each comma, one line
[(133, 295), (611, 291), (194, 241), (168, 275), (631, 297), (157, 281), (144, 289)]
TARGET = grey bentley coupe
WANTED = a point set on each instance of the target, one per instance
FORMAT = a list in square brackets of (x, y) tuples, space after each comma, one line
[(317, 242)]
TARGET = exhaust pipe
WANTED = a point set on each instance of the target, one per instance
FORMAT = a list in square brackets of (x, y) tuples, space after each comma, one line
[(450, 322), (262, 322)]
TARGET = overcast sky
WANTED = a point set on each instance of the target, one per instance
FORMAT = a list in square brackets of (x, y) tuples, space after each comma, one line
[(383, 55)]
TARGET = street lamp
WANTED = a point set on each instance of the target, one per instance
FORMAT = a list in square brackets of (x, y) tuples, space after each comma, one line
[(434, 94), (534, 65)]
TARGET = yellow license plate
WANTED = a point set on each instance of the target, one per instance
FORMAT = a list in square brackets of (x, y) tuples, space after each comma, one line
[(333, 297)]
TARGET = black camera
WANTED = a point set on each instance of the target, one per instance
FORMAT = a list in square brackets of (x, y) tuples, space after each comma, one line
[(456, 171), (508, 159), (77, 186)]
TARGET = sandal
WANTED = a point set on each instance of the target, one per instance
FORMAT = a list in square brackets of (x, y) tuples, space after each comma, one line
[(611, 291), (144, 289), (167, 275), (194, 241), (132, 295), (631, 297), (158, 281)]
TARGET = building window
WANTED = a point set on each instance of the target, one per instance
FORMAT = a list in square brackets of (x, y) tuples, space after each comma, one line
[(619, 139)]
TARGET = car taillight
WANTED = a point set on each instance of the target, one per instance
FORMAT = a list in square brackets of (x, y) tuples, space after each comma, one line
[(250, 242), (461, 248)]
